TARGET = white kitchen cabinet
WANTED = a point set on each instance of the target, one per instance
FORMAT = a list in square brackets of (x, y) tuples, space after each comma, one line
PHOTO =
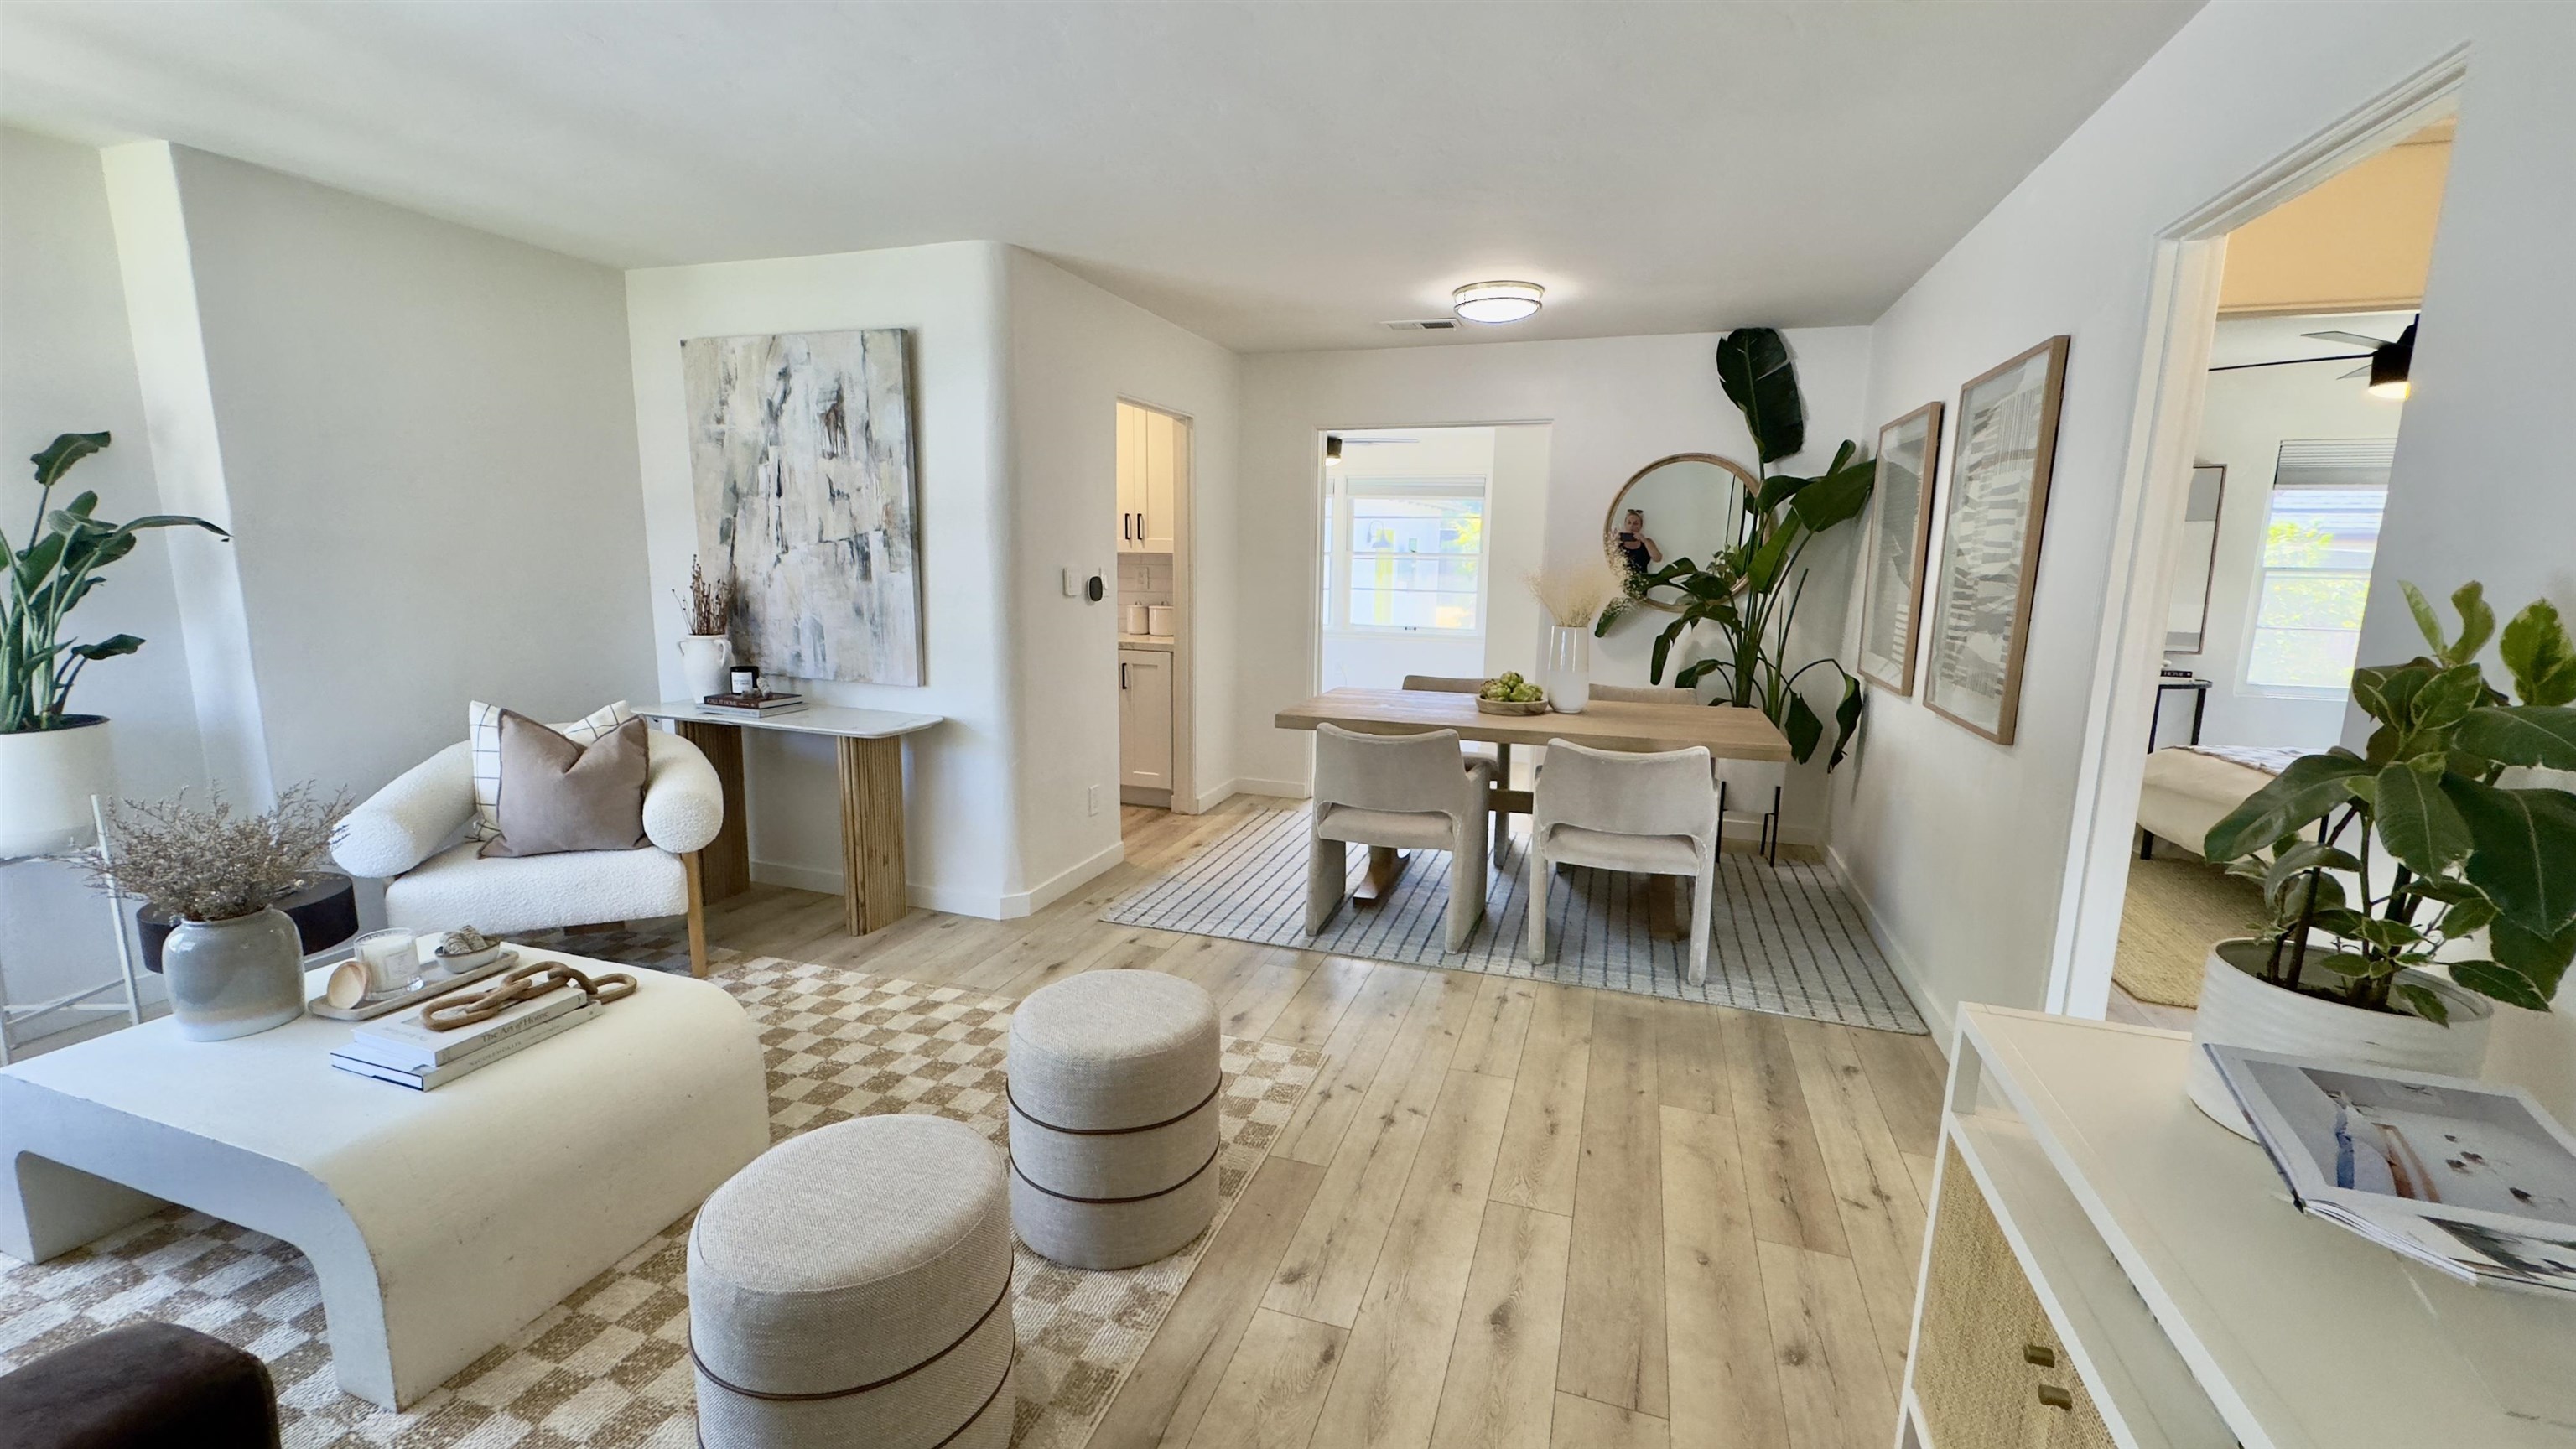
[(1150, 448), (1145, 721)]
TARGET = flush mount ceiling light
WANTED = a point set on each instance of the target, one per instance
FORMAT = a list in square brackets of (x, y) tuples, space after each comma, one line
[(1491, 302)]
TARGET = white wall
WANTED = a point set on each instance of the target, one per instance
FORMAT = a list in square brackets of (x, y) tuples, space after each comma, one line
[(1959, 847), (962, 833), (1074, 350), (67, 366), (2244, 420), (426, 451), (1614, 405)]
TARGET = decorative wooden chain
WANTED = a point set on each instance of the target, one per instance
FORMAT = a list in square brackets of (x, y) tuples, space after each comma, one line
[(524, 983)]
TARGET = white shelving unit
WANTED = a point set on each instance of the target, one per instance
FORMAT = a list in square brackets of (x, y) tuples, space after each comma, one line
[(2198, 1307)]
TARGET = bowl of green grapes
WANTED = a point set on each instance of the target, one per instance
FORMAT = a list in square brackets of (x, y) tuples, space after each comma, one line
[(1511, 694)]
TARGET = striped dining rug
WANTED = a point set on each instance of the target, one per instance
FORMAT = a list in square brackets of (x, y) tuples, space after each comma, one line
[(1784, 939)]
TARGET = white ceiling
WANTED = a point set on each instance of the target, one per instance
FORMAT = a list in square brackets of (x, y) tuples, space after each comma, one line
[(1272, 175)]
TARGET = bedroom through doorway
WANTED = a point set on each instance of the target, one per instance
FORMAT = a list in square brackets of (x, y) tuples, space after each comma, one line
[(2315, 331)]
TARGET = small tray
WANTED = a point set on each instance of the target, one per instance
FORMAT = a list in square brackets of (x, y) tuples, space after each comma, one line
[(429, 988), (1510, 706)]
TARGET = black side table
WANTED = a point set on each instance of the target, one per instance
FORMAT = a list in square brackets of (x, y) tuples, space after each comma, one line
[(325, 912), (2199, 706)]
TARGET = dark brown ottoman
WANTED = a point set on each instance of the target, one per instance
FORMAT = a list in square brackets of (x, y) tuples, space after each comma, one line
[(143, 1386)]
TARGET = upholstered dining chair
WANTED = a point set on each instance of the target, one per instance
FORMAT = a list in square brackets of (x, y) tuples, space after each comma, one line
[(406, 835), (1648, 814), (1499, 754), (1760, 778), (1390, 792)]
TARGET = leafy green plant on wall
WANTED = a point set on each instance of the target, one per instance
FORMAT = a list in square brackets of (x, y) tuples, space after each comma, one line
[(2422, 844), (57, 568), (1748, 592)]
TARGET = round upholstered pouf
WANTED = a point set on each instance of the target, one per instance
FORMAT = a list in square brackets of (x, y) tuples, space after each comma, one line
[(852, 1286), (1113, 1079)]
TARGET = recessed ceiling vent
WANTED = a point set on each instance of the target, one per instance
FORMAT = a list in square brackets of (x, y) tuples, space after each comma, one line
[(1425, 324)]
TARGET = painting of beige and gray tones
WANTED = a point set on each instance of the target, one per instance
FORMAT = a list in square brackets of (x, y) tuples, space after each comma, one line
[(800, 448)]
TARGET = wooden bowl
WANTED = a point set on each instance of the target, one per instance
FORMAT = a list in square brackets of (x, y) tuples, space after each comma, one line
[(1510, 706)]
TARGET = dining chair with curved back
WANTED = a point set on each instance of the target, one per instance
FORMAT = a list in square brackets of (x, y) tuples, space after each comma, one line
[(1650, 814), (1414, 792), (1499, 754)]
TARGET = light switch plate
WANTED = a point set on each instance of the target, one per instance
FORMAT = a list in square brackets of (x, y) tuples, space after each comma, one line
[(1073, 578), (1095, 799)]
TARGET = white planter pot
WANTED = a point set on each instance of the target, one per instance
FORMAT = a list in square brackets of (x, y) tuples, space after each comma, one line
[(704, 658), (46, 780), (1565, 672), (2237, 1008)]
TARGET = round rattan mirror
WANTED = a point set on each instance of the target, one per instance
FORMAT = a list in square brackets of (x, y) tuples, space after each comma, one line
[(1689, 505)]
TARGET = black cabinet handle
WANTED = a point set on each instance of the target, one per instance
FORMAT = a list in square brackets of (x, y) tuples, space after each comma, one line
[(1122, 674), (1141, 534)]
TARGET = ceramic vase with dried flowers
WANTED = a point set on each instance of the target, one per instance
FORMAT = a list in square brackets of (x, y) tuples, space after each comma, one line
[(707, 650), (1572, 598), (233, 963)]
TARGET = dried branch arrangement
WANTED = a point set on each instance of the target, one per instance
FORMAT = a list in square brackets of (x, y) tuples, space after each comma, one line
[(212, 864), (1572, 597), (709, 602)]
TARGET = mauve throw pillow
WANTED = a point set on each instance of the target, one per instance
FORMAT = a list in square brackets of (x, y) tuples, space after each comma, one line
[(557, 795)]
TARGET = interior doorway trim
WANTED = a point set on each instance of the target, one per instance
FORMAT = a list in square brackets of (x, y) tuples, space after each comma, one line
[(2164, 434)]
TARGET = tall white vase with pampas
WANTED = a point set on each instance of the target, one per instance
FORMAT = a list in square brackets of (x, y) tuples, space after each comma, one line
[(1573, 599)]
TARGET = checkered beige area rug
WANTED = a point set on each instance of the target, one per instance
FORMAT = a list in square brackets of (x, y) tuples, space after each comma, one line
[(608, 1367)]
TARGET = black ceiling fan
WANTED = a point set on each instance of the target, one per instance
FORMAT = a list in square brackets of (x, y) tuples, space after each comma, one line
[(2386, 364)]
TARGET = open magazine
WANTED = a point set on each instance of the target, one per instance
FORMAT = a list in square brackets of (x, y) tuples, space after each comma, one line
[(2467, 1177)]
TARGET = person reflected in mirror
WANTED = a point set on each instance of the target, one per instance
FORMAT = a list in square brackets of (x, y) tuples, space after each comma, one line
[(1636, 548)]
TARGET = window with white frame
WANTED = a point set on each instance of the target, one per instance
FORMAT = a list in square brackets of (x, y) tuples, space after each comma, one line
[(2320, 538), (1405, 554)]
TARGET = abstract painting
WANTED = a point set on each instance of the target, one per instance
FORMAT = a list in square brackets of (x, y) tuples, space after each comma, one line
[(1891, 601), (1999, 467), (800, 447)]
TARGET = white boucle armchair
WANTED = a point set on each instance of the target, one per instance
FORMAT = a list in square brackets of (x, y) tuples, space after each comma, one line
[(405, 835)]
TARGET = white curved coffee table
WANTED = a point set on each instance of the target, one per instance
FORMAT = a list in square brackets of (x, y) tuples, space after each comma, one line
[(437, 1222)]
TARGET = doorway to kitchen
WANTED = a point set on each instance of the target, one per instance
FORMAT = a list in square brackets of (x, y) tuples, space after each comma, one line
[(1154, 474)]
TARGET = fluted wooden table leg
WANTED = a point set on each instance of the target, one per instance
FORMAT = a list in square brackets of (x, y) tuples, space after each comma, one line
[(872, 887), (725, 863)]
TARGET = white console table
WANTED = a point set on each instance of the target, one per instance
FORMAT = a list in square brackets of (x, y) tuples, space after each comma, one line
[(869, 743), (2181, 1299)]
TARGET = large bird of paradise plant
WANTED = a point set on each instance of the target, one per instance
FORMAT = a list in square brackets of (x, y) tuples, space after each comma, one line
[(1749, 590), (60, 564)]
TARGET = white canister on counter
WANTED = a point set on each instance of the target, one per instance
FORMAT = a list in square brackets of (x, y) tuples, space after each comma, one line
[(1159, 619), (1133, 620)]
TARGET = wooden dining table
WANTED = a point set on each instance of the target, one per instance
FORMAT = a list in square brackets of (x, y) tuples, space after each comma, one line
[(1728, 733)]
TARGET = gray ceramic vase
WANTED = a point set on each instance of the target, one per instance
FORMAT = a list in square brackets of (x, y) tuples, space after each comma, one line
[(233, 978)]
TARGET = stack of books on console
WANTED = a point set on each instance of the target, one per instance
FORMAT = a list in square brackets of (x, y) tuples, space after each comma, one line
[(398, 1049), (753, 706)]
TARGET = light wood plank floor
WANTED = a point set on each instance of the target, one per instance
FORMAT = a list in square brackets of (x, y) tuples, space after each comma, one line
[(1508, 1213)]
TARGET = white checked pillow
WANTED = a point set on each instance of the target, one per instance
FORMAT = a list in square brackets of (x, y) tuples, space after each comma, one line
[(483, 731)]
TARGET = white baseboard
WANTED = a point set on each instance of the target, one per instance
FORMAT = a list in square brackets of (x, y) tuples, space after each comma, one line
[(915, 893), (1063, 883), (1909, 972), (801, 877), (1285, 789)]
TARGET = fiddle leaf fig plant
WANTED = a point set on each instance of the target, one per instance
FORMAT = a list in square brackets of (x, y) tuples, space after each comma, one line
[(1749, 590), (60, 563), (2423, 844)]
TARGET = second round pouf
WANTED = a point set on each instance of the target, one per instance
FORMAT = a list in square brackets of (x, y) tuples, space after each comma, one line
[(1114, 1079), (852, 1286)]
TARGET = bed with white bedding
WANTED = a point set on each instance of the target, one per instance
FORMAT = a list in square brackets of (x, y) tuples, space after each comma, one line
[(2189, 788)]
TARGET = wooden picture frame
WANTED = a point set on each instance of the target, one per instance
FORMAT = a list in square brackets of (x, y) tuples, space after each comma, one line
[(2003, 451), (2190, 600), (1909, 455)]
